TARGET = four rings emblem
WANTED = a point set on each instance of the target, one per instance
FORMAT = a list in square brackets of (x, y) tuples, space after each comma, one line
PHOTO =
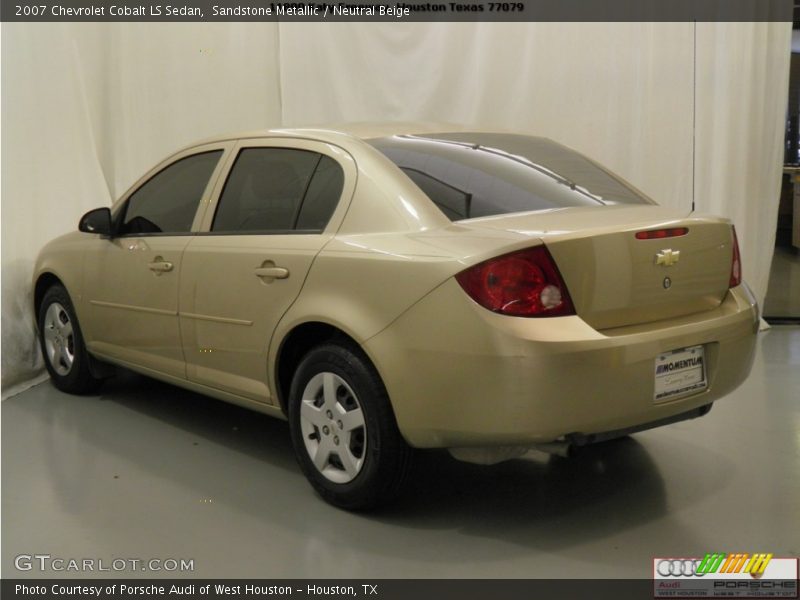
[(679, 567)]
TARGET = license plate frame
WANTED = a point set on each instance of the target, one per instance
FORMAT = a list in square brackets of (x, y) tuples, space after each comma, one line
[(679, 373)]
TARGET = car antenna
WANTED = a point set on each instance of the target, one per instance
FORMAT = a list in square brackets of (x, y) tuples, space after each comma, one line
[(694, 112)]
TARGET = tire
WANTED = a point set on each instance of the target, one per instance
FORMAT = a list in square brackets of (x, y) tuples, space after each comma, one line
[(62, 346), (343, 429)]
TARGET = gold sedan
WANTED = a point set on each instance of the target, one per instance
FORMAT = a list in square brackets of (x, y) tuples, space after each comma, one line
[(389, 289)]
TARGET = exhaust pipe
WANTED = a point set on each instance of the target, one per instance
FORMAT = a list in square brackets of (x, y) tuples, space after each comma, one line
[(494, 455), (562, 449)]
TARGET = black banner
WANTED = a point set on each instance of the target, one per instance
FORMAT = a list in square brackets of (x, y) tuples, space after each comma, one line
[(279, 589), (361, 11)]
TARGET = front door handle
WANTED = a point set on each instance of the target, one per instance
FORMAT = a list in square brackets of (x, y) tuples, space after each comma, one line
[(159, 265), (272, 272)]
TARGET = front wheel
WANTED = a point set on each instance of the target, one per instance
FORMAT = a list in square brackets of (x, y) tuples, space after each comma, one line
[(62, 344), (343, 429)]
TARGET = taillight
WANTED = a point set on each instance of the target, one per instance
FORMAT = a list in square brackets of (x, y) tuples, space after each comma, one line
[(659, 234), (522, 284), (736, 262)]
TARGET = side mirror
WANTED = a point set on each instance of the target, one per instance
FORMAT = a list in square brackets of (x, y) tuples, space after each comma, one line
[(96, 221)]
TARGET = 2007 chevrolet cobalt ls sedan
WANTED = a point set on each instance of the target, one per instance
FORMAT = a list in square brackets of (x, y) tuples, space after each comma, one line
[(402, 288)]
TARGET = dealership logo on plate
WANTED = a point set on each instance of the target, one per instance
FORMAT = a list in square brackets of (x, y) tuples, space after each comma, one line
[(726, 575)]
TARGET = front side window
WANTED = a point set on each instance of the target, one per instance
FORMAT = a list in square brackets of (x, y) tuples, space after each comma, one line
[(278, 190), (470, 175), (168, 201)]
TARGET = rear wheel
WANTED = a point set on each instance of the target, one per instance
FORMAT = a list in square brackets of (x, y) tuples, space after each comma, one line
[(62, 344), (343, 429)]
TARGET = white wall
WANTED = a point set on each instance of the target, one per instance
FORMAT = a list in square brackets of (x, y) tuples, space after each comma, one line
[(742, 96), (621, 92), (88, 107)]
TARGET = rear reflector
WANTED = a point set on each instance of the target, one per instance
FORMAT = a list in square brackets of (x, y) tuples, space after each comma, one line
[(736, 262), (522, 284), (659, 234)]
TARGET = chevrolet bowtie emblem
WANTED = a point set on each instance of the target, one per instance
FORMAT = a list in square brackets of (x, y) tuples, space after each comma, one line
[(668, 257)]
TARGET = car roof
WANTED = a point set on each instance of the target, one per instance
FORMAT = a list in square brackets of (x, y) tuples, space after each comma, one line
[(330, 132)]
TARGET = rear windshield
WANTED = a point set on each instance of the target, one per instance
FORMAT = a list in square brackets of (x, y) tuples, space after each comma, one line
[(470, 175)]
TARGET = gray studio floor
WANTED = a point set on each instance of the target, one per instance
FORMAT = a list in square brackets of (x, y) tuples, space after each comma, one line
[(149, 471)]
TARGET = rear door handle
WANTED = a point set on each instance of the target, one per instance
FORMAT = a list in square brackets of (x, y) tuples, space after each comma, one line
[(272, 272), (159, 265)]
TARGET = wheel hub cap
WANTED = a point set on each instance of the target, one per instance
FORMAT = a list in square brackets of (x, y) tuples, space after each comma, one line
[(329, 405), (59, 340)]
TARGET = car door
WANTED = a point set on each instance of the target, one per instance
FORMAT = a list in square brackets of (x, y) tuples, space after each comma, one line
[(131, 279), (277, 205)]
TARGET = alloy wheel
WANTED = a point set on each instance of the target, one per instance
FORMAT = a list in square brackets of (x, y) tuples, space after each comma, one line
[(59, 339)]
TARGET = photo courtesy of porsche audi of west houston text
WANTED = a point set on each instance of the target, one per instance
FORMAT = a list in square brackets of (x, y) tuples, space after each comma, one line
[(389, 288), (151, 590)]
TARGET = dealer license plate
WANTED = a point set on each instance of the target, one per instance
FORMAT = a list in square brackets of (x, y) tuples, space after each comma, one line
[(680, 373)]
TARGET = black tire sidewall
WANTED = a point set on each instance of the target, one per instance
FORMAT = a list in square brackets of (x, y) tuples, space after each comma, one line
[(372, 483), (79, 379)]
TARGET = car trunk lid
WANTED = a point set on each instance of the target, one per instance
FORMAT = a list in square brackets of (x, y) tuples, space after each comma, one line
[(614, 278)]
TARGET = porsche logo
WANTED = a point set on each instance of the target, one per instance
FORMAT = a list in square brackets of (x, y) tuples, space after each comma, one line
[(668, 257)]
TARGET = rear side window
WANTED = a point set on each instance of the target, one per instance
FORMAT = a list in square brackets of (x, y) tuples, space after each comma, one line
[(471, 175), (322, 196), (275, 190), (168, 201)]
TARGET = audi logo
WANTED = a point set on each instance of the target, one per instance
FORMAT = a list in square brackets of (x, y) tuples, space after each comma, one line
[(679, 567)]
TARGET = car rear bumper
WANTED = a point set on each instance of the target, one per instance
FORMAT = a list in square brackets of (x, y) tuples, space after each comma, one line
[(461, 376)]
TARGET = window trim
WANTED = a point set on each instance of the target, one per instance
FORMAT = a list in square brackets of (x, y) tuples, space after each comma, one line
[(336, 153), (120, 207), (261, 232), (297, 211)]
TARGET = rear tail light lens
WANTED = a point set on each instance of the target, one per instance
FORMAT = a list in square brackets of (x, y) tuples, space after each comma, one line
[(521, 284), (736, 262)]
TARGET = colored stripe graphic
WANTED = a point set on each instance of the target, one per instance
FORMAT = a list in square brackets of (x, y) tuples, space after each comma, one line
[(741, 562), (719, 562), (710, 563), (758, 563)]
